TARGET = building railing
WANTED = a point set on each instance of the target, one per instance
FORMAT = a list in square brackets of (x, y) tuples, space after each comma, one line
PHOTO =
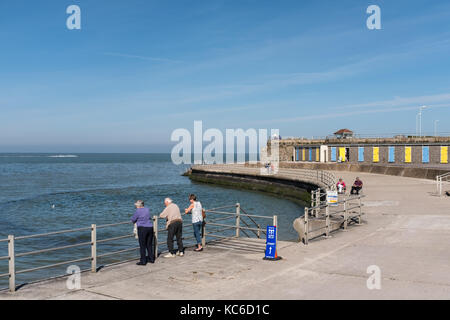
[(321, 178), (440, 180), (347, 210), (243, 223)]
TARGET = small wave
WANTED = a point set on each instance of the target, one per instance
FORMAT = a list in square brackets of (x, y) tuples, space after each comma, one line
[(64, 156)]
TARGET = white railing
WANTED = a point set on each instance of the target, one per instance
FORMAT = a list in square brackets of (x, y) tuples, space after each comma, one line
[(440, 180)]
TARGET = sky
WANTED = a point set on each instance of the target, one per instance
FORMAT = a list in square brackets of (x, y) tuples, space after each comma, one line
[(138, 70)]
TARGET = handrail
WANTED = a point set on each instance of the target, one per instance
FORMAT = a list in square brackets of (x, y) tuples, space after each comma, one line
[(113, 224), (444, 175), (116, 238), (116, 252), (52, 249), (326, 178), (316, 214), (52, 233), (439, 180), (12, 255)]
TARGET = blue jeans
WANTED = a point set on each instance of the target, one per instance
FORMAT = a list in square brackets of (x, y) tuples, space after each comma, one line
[(197, 231)]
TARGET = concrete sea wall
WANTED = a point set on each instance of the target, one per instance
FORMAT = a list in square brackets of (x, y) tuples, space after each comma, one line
[(296, 191)]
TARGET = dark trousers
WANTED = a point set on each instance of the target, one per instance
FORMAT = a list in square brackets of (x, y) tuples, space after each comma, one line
[(175, 229), (145, 235), (355, 190)]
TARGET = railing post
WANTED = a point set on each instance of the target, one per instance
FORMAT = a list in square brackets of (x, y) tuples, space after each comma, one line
[(94, 248), (313, 201), (203, 234), (317, 202), (360, 210), (12, 264), (437, 185), (238, 219), (327, 220), (306, 225), (345, 214), (155, 231)]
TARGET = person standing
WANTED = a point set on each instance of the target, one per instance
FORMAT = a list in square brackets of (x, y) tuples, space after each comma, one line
[(174, 227), (145, 233), (196, 210)]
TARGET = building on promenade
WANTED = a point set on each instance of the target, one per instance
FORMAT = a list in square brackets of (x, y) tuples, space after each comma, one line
[(344, 147)]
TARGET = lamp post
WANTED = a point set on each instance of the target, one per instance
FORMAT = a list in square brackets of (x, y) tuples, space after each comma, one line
[(420, 119), (435, 127)]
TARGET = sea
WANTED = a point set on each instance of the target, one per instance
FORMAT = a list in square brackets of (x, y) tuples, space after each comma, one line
[(41, 193)]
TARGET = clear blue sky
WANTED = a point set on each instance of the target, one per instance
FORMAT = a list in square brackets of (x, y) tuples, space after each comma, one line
[(137, 70)]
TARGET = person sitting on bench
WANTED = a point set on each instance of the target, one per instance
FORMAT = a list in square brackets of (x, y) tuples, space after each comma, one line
[(341, 187), (357, 186)]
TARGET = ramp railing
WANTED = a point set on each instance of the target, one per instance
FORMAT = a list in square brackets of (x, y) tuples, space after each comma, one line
[(440, 181), (345, 211)]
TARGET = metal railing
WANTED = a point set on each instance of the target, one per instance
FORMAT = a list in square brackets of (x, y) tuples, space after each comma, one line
[(321, 178), (241, 225), (12, 255), (440, 180), (344, 211)]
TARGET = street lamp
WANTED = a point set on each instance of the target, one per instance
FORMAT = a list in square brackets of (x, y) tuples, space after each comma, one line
[(435, 127), (420, 119)]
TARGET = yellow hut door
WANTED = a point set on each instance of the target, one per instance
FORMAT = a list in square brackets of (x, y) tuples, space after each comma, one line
[(342, 154), (408, 154), (376, 154), (444, 154)]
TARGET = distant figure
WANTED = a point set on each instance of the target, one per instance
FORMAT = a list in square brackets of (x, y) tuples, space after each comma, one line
[(145, 232), (174, 227), (357, 186), (196, 210), (341, 187)]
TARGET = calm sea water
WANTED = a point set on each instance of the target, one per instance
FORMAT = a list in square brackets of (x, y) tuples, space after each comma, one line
[(50, 192)]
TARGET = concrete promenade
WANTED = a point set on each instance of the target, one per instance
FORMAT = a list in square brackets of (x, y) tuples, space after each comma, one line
[(406, 233)]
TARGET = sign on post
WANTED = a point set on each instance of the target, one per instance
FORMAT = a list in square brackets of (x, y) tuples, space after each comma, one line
[(332, 198), (271, 244)]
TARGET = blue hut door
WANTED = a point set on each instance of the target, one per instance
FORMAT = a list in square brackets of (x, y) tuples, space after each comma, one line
[(391, 154), (425, 154)]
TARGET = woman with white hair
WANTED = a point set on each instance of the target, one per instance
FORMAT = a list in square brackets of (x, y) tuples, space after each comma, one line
[(145, 232)]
